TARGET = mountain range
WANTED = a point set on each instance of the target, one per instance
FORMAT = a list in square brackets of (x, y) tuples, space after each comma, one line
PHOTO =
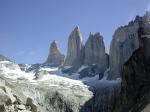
[(88, 79)]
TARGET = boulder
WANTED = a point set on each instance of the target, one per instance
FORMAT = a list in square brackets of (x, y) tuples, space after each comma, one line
[(55, 58), (2, 108), (40, 74), (31, 104), (21, 107)]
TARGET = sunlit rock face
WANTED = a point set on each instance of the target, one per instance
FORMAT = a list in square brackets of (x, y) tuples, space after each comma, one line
[(124, 43), (135, 90), (75, 49), (55, 58), (95, 52), (47, 90), (95, 58)]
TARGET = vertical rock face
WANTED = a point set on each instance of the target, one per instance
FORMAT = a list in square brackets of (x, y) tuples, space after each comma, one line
[(95, 52), (135, 90), (55, 58), (75, 49), (124, 43), (88, 60)]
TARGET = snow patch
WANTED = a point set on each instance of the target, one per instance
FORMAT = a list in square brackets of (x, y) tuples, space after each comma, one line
[(82, 68)]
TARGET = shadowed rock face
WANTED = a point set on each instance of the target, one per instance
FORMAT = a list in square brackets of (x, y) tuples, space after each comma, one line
[(75, 49), (135, 90), (124, 43), (55, 58), (129, 56), (95, 52)]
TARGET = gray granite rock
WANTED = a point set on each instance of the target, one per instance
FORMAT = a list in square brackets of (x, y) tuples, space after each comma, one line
[(124, 43), (95, 52), (75, 49), (135, 86), (55, 58)]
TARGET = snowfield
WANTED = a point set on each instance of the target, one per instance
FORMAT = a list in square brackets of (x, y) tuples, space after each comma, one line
[(24, 85), (52, 86)]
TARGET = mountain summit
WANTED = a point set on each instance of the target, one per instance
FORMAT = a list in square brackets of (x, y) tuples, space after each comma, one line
[(55, 58), (75, 47)]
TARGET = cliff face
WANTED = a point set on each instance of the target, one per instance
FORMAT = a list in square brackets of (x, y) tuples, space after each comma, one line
[(124, 43), (55, 58), (95, 58), (75, 46), (129, 60), (95, 52), (135, 90), (89, 59)]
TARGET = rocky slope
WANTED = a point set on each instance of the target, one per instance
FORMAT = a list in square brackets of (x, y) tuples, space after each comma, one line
[(9, 102), (40, 91)]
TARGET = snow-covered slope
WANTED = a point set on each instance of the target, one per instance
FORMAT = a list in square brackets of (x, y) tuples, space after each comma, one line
[(54, 91), (50, 87)]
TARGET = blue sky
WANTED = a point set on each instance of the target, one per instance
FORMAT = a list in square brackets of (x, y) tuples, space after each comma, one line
[(27, 27)]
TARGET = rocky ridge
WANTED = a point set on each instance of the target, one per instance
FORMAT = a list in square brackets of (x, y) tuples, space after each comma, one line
[(135, 89), (124, 43), (129, 60), (89, 59)]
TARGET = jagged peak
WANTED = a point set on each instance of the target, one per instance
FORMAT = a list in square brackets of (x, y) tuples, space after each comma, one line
[(77, 30), (95, 35), (76, 34), (147, 13), (145, 17), (54, 41), (77, 27), (54, 47), (54, 44)]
